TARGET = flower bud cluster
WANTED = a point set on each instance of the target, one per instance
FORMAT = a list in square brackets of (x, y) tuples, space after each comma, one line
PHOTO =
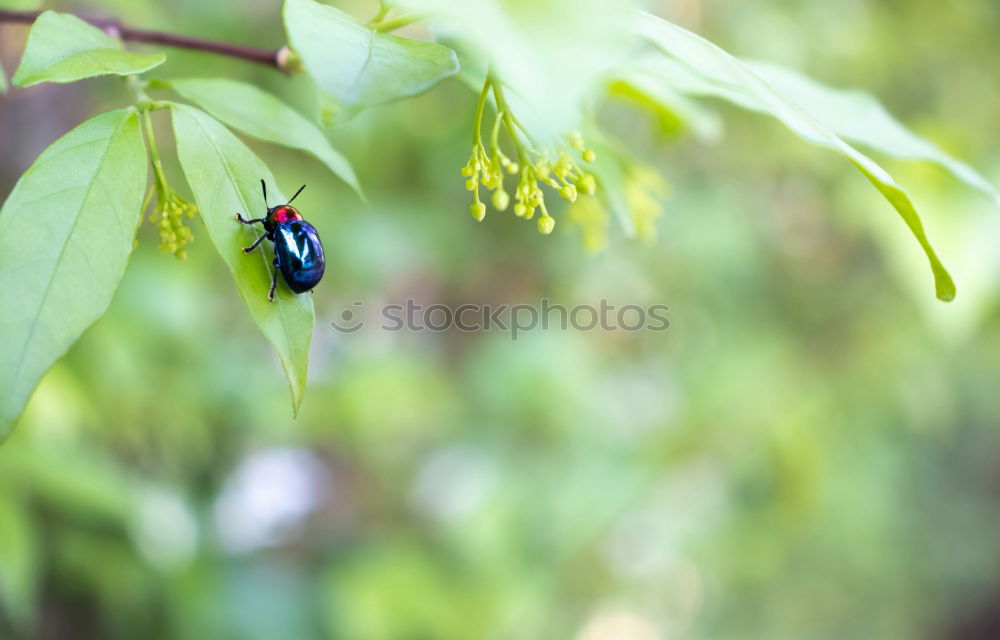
[(552, 167), (168, 217)]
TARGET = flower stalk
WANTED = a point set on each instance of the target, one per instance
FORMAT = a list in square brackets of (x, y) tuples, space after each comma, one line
[(171, 209)]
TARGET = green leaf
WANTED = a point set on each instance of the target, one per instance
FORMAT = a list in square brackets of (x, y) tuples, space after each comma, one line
[(360, 67), (225, 176), (860, 118), (853, 115), (66, 233), (63, 48), (723, 75), (262, 115)]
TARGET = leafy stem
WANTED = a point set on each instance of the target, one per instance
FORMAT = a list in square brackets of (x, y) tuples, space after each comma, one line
[(383, 11), (154, 153), (509, 120), (142, 100), (277, 58), (477, 134), (170, 207)]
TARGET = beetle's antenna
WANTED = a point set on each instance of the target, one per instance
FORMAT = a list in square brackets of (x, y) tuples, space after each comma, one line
[(296, 194), (264, 188)]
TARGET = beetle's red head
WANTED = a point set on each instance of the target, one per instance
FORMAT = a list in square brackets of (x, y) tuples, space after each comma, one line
[(282, 214)]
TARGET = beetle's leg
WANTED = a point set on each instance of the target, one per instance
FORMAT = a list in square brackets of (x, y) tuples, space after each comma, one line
[(240, 218), (274, 281), (254, 245)]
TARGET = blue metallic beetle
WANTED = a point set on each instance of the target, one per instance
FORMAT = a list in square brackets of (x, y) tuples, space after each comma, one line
[(297, 249)]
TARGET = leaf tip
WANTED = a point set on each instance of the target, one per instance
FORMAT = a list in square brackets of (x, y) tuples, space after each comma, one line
[(945, 289), (944, 286), (298, 393)]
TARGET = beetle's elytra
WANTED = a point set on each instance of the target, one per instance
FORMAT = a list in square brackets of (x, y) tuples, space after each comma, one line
[(298, 252)]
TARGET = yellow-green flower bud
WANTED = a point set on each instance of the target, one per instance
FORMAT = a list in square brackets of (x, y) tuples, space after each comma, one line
[(589, 155), (500, 200), (478, 210), (587, 184), (568, 192), (520, 210), (546, 224)]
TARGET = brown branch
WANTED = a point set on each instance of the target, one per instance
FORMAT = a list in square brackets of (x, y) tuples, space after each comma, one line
[(113, 27)]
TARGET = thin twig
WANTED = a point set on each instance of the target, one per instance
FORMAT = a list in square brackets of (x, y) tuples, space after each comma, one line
[(272, 58)]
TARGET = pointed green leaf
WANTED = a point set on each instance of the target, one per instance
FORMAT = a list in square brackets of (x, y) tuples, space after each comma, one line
[(860, 118), (727, 77), (853, 115), (360, 67), (66, 233), (225, 176), (63, 48), (262, 115)]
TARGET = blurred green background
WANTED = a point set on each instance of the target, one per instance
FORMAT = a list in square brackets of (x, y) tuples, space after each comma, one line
[(811, 451)]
